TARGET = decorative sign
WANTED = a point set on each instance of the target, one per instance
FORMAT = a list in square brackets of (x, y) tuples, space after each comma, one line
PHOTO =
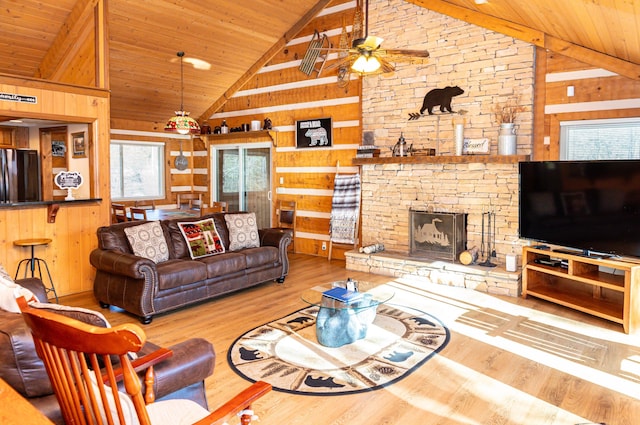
[(68, 180), (475, 146), (10, 97), (313, 133)]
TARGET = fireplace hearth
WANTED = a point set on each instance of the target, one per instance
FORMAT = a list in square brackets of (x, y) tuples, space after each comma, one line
[(437, 235)]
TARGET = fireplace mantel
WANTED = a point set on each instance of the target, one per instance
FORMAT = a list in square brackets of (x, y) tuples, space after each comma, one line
[(444, 159)]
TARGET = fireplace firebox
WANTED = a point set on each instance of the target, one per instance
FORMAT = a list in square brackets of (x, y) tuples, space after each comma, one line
[(437, 235)]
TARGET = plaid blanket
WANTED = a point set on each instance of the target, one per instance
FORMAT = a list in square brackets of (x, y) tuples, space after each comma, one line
[(345, 208)]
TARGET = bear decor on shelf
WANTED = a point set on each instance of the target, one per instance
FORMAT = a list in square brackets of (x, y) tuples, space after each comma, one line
[(437, 97)]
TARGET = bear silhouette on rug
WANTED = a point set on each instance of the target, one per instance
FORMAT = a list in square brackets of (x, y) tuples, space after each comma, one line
[(440, 97)]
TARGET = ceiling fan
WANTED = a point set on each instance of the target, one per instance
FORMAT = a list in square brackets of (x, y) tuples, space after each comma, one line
[(365, 56)]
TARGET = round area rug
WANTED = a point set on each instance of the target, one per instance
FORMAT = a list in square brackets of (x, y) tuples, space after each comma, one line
[(286, 353)]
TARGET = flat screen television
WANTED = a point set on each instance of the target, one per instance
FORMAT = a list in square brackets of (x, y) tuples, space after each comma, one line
[(590, 206)]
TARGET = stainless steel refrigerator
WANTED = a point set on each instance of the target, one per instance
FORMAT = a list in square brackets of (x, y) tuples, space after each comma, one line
[(19, 176)]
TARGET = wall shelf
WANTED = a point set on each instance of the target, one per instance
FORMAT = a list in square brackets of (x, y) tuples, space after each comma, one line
[(236, 136), (444, 159)]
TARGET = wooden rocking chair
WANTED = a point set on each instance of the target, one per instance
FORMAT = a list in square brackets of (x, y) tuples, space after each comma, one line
[(85, 362)]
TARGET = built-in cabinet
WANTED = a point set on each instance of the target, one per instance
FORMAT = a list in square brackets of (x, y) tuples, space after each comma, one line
[(605, 288), (14, 137)]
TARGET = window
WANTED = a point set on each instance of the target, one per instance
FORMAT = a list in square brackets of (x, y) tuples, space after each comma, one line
[(600, 139), (137, 170)]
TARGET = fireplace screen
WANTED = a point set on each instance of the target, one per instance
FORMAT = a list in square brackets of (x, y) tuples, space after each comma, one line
[(437, 235)]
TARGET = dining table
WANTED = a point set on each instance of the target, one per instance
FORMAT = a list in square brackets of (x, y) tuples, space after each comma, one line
[(169, 213)]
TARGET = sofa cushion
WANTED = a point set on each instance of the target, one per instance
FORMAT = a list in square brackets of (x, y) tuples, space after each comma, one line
[(231, 262), (176, 273), (243, 231), (147, 240), (256, 257), (202, 238)]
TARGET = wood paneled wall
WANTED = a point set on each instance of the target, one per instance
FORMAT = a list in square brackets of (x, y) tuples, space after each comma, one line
[(598, 94), (284, 94), (74, 232)]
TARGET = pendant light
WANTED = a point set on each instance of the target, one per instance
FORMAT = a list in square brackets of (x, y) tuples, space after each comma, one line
[(182, 123)]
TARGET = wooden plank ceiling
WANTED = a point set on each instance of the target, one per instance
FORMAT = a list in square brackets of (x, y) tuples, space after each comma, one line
[(238, 37)]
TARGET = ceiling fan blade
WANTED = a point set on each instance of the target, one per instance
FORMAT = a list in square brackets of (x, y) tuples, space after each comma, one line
[(370, 43), (385, 66), (342, 62), (405, 52)]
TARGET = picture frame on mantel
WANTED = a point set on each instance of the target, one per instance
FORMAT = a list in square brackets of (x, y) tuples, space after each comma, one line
[(314, 133), (79, 145)]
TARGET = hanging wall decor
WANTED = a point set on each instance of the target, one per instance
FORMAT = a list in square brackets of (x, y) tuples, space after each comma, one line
[(314, 133), (437, 97)]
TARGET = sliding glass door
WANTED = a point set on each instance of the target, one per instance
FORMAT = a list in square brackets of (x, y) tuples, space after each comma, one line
[(242, 178)]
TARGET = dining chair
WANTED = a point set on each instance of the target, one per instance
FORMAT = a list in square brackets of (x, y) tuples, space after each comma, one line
[(145, 204), (118, 213), (191, 200), (138, 213), (218, 206), (85, 363), (286, 214)]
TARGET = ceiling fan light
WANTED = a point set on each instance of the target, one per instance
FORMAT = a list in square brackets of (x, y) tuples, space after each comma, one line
[(182, 123), (366, 64)]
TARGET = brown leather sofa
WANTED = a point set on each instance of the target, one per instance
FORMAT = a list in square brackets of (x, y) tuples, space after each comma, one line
[(142, 287), (180, 376)]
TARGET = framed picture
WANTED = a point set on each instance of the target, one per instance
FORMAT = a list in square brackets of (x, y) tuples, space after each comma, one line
[(314, 133), (79, 145), (58, 148)]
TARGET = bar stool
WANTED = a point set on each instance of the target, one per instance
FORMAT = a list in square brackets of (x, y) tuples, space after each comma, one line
[(33, 261)]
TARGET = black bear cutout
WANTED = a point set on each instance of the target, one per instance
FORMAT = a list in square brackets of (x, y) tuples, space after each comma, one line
[(440, 97)]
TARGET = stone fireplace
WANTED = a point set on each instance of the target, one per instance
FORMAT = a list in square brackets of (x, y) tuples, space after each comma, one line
[(438, 235), (467, 185)]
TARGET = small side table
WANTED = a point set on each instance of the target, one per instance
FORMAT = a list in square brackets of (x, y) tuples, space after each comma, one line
[(30, 263)]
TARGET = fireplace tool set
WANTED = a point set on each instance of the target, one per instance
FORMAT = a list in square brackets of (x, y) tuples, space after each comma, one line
[(488, 249)]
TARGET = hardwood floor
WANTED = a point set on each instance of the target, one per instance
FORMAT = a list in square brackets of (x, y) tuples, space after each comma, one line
[(509, 361)]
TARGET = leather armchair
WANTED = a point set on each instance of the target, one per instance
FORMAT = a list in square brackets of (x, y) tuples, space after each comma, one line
[(181, 376)]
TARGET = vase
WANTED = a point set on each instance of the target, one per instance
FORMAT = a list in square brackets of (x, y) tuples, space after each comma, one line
[(459, 136), (507, 139)]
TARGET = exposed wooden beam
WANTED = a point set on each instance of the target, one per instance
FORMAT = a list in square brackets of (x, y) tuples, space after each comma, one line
[(102, 45), (535, 37), (502, 26), (274, 50), (67, 39), (619, 66)]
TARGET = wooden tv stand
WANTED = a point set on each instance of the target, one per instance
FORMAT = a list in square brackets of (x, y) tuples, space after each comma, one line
[(580, 284)]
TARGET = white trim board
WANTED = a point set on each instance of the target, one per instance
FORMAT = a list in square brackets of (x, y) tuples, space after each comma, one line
[(603, 105)]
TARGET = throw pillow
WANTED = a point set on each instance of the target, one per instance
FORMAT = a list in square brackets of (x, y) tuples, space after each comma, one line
[(243, 231), (9, 291), (147, 240), (202, 238)]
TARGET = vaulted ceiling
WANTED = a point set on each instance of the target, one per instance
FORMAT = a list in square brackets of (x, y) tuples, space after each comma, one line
[(239, 37)]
